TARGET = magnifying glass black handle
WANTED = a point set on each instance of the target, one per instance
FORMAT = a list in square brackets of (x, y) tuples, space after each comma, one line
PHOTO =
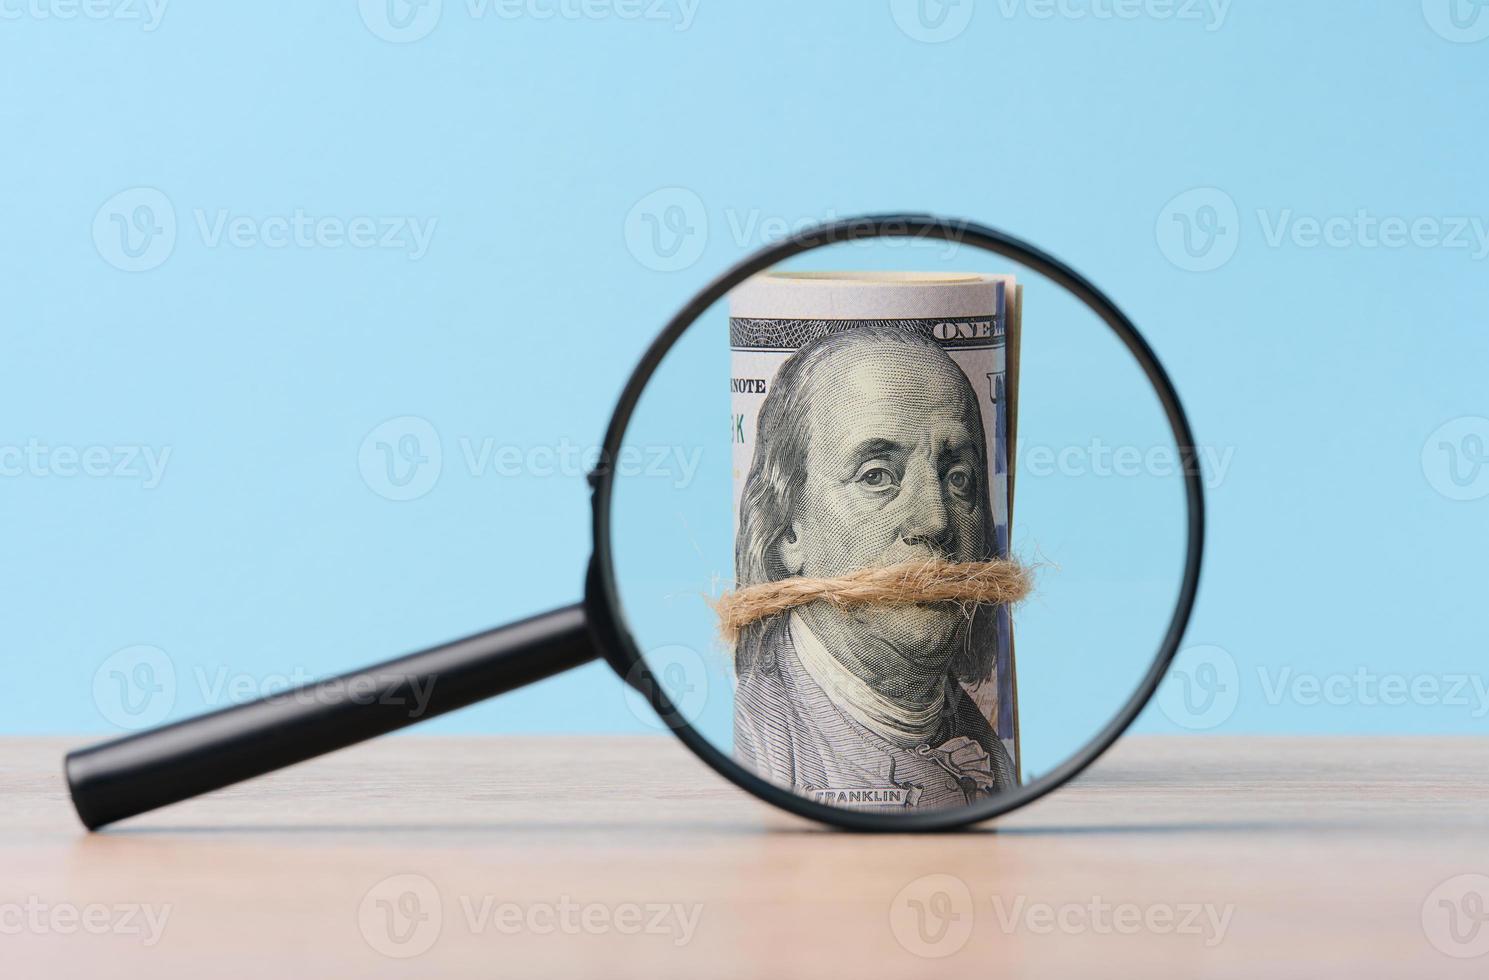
[(140, 772)]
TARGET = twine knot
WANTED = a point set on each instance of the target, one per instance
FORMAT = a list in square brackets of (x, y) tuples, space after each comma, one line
[(911, 583)]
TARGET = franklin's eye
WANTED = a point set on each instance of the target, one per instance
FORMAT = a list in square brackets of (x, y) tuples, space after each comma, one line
[(876, 476), (959, 479)]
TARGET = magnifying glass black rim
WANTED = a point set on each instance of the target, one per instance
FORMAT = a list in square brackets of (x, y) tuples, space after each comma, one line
[(607, 613)]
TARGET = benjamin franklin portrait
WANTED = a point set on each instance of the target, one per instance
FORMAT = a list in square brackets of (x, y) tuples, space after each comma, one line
[(870, 452)]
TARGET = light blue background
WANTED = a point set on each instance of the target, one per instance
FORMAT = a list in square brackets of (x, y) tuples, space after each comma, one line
[(536, 146)]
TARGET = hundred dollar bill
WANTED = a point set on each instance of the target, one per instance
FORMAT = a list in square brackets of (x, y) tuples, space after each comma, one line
[(873, 419)]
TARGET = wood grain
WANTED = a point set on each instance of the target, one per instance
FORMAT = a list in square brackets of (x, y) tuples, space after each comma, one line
[(590, 857)]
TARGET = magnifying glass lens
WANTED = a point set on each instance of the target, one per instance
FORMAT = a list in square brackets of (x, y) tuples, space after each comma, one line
[(896, 528)]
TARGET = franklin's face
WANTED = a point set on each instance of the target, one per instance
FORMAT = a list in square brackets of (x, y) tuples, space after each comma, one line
[(893, 472)]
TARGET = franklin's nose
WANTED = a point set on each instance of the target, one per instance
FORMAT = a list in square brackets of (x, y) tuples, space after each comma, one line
[(926, 521)]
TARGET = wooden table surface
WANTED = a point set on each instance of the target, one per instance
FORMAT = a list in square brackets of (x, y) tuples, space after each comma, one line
[(620, 857)]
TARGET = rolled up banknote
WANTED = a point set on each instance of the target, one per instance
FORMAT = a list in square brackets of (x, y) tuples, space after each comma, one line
[(873, 419)]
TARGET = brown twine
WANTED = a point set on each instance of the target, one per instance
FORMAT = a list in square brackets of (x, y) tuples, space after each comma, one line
[(906, 584)]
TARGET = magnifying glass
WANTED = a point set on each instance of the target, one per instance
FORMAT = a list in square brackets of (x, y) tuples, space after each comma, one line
[(937, 562)]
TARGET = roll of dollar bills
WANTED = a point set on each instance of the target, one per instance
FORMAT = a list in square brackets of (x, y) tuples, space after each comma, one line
[(873, 419)]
